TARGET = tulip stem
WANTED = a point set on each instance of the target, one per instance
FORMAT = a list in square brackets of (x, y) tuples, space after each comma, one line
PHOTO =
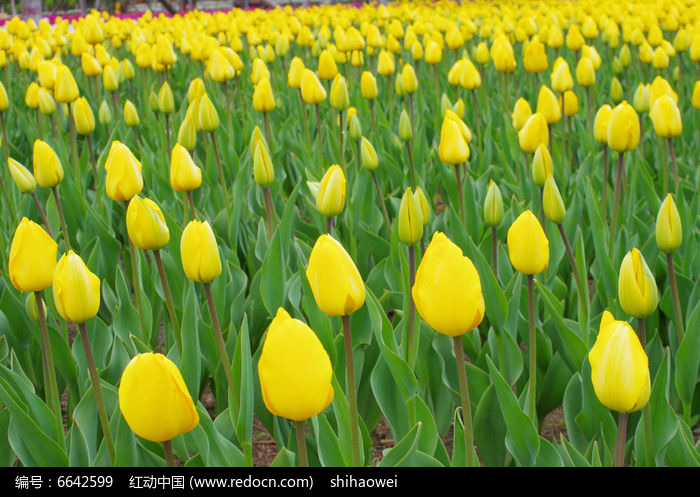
[(38, 124), (385, 213), (136, 283), (351, 393), (532, 349), (588, 105), (301, 444), (674, 164), (646, 413), (190, 202), (616, 199), (466, 404), (93, 162), (604, 210), (319, 142), (494, 251), (222, 348), (8, 199), (411, 307), (222, 178), (61, 217), (53, 127), (168, 453), (410, 161), (582, 290), (266, 122), (42, 214), (676, 300), (47, 361), (269, 212), (459, 190), (169, 301), (167, 134), (97, 391), (664, 178), (621, 436), (341, 159), (307, 133), (73, 145), (371, 112)]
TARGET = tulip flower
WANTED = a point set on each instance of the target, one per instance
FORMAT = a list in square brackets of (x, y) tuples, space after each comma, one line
[(623, 136), (48, 173), (535, 57), (187, 134), (695, 100), (146, 225), (124, 179), (338, 290), (312, 90), (131, 115), (669, 236), (548, 105), (295, 374), (76, 290), (83, 116), (521, 113), (220, 70), (47, 105), (264, 174), (330, 193), (534, 133), (327, 68), (620, 373), (21, 176), (637, 290), (199, 252)]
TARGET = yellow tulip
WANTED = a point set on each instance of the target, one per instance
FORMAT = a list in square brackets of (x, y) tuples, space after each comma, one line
[(528, 247), (570, 103), (340, 100), (195, 90), (616, 92), (453, 148), (65, 89), (47, 105), (76, 290), (385, 63), (48, 170), (423, 204), (166, 101), (21, 176), (165, 55), (31, 98), (327, 69), (574, 39), (93, 30), (47, 74), (493, 205), (146, 225), (131, 115), (312, 91), (666, 117), (669, 230), (109, 79), (330, 193), (199, 252), (636, 286), (447, 291), (502, 55), (548, 105), (32, 257), (335, 281), (640, 101), (154, 399), (433, 53), (104, 114), (296, 69), (619, 367), (534, 133), (124, 179), (410, 219), (521, 113), (585, 72), (187, 133), (4, 101), (294, 369), (263, 172), (542, 165), (220, 69), (623, 128), (535, 57), (208, 117), (263, 99), (368, 155), (185, 176), (554, 208), (601, 123)]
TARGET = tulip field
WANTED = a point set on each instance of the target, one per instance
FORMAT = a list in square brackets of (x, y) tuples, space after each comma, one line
[(448, 220)]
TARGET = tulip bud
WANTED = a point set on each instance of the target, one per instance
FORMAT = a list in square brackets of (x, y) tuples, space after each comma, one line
[(334, 279), (104, 114), (31, 98), (493, 205), (405, 126), (131, 115), (410, 219), (199, 252), (669, 230), (185, 176), (453, 148), (21, 176), (447, 290), (47, 105), (409, 79), (4, 102), (312, 91), (340, 100), (660, 59), (521, 113), (166, 101), (528, 247), (535, 57), (146, 225), (65, 89), (617, 66), (619, 367), (109, 79), (616, 90), (534, 133), (76, 290), (296, 69), (263, 99), (636, 286), (255, 138), (32, 257), (423, 204), (165, 55), (154, 399), (124, 179), (327, 68), (640, 100), (585, 73), (601, 123), (370, 161), (385, 63), (553, 204), (354, 127), (220, 70), (31, 308), (548, 105), (570, 103), (330, 198), (195, 90), (696, 95), (208, 117), (263, 171), (48, 170), (541, 165), (623, 128), (294, 369), (666, 117), (187, 133)]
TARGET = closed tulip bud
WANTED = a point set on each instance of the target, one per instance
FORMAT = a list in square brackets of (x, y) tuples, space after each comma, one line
[(47, 105), (30, 306), (417, 51), (535, 57), (660, 59), (146, 225), (682, 40), (220, 70), (482, 54), (208, 117), (423, 204), (574, 38), (405, 126), (617, 66), (187, 133), (109, 79), (696, 95), (104, 114), (385, 63), (4, 102), (76, 290), (554, 207), (534, 133), (32, 257), (585, 73), (195, 90), (625, 56), (528, 247), (354, 128), (623, 128), (21, 176), (31, 98), (695, 48), (640, 101), (185, 176), (165, 55), (47, 74), (619, 367), (263, 99), (542, 165), (453, 147), (124, 179), (340, 100), (263, 171), (255, 138), (669, 230), (327, 69), (601, 123), (330, 198), (131, 115), (410, 219), (616, 90), (370, 161), (312, 91), (127, 69), (48, 170), (433, 53), (666, 117), (166, 101), (636, 286), (502, 56), (65, 89), (570, 103), (548, 105), (409, 79), (447, 291), (296, 69), (493, 205), (658, 88), (368, 85), (154, 399), (294, 369), (334, 279), (199, 252), (521, 113), (93, 30)]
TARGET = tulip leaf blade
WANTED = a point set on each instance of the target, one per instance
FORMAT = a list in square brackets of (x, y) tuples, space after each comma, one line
[(284, 459), (78, 451), (688, 358), (327, 443), (243, 377), (403, 450), (190, 362), (548, 456), (497, 306), (489, 431), (274, 275)]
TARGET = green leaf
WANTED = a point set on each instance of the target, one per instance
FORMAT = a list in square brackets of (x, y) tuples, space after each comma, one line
[(243, 378), (274, 276), (496, 305), (327, 443), (548, 456), (688, 359), (191, 360), (403, 450), (284, 459), (489, 430)]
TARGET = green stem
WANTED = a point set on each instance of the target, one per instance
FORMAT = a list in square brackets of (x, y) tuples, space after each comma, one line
[(621, 436), (9, 200), (168, 453), (73, 144), (47, 360), (54, 190), (466, 405), (169, 301), (97, 391), (494, 251), (678, 314), (582, 290), (42, 214), (646, 412), (38, 124), (269, 213), (459, 191), (190, 202), (411, 307), (674, 164), (410, 161), (385, 213), (351, 392), (93, 162), (301, 444), (532, 349), (604, 208), (616, 199), (341, 159), (222, 178), (136, 283), (268, 136)]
